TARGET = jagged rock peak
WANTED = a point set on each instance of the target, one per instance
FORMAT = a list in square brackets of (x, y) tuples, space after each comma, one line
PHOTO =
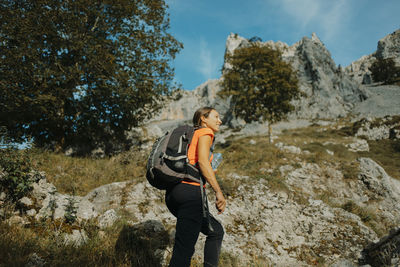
[(234, 41), (389, 47), (316, 43), (316, 39), (330, 93)]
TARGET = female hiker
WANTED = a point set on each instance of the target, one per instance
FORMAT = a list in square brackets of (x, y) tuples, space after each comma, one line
[(185, 199)]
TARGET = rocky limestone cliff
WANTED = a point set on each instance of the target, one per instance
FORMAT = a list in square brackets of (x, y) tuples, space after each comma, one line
[(330, 93), (388, 47)]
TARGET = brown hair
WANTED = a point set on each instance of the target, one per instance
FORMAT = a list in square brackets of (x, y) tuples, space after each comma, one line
[(204, 111)]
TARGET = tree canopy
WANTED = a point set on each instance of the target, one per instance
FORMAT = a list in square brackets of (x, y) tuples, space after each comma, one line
[(82, 71), (260, 84), (385, 70)]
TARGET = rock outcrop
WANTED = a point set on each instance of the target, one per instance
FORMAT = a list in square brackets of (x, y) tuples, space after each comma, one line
[(259, 222), (359, 70), (377, 129), (329, 91), (388, 47), (382, 101)]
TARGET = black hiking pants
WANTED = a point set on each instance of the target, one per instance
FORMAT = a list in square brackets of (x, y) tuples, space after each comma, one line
[(184, 202)]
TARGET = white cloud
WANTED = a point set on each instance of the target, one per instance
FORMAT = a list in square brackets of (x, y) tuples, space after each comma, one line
[(335, 18), (206, 64), (329, 17), (303, 11)]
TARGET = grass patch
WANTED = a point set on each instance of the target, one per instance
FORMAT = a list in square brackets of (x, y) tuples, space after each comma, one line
[(79, 175), (368, 217), (245, 159), (18, 244), (365, 214), (114, 246), (350, 130), (350, 170), (229, 260), (327, 197), (275, 182), (228, 185), (387, 154)]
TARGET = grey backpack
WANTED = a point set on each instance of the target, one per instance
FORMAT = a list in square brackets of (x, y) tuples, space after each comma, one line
[(168, 163)]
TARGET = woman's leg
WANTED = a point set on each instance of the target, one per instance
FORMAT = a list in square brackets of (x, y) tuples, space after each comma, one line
[(212, 247), (184, 201)]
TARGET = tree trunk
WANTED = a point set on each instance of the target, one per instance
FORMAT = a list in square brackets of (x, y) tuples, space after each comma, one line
[(269, 132)]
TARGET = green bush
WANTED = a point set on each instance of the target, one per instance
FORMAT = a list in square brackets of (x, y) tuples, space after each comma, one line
[(15, 179), (385, 70)]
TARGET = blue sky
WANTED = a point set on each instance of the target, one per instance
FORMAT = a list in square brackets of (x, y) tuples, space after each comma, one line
[(348, 28)]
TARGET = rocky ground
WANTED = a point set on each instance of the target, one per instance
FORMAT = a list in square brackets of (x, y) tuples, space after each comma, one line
[(382, 100), (321, 217)]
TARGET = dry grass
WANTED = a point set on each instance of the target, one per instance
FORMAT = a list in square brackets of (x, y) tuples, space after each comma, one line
[(17, 244), (79, 175), (229, 260), (244, 158), (387, 154), (369, 217), (114, 246), (252, 160)]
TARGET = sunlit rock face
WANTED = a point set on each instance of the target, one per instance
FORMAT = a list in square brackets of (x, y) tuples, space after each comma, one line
[(329, 91), (388, 47)]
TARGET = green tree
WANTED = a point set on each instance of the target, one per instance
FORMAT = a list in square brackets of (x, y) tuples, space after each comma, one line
[(260, 84), (385, 70), (82, 72)]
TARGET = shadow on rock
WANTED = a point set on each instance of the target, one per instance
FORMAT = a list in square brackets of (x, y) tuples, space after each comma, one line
[(386, 252), (143, 244)]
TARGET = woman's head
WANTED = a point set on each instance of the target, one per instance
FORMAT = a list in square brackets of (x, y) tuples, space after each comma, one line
[(207, 117)]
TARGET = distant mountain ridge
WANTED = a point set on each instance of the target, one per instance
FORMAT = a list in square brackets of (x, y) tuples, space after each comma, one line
[(331, 91), (388, 47)]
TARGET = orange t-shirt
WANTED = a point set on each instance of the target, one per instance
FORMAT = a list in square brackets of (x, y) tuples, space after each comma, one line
[(193, 156)]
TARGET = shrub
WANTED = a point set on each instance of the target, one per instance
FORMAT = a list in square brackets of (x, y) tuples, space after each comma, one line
[(385, 70), (259, 84), (70, 211), (365, 214), (15, 168)]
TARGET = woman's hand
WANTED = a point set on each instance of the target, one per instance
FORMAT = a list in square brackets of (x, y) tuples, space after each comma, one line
[(220, 202), (203, 148)]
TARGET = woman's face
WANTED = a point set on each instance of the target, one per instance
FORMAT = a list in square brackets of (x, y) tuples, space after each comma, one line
[(212, 121)]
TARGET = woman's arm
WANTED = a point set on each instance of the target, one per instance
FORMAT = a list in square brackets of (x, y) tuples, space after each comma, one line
[(203, 148)]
